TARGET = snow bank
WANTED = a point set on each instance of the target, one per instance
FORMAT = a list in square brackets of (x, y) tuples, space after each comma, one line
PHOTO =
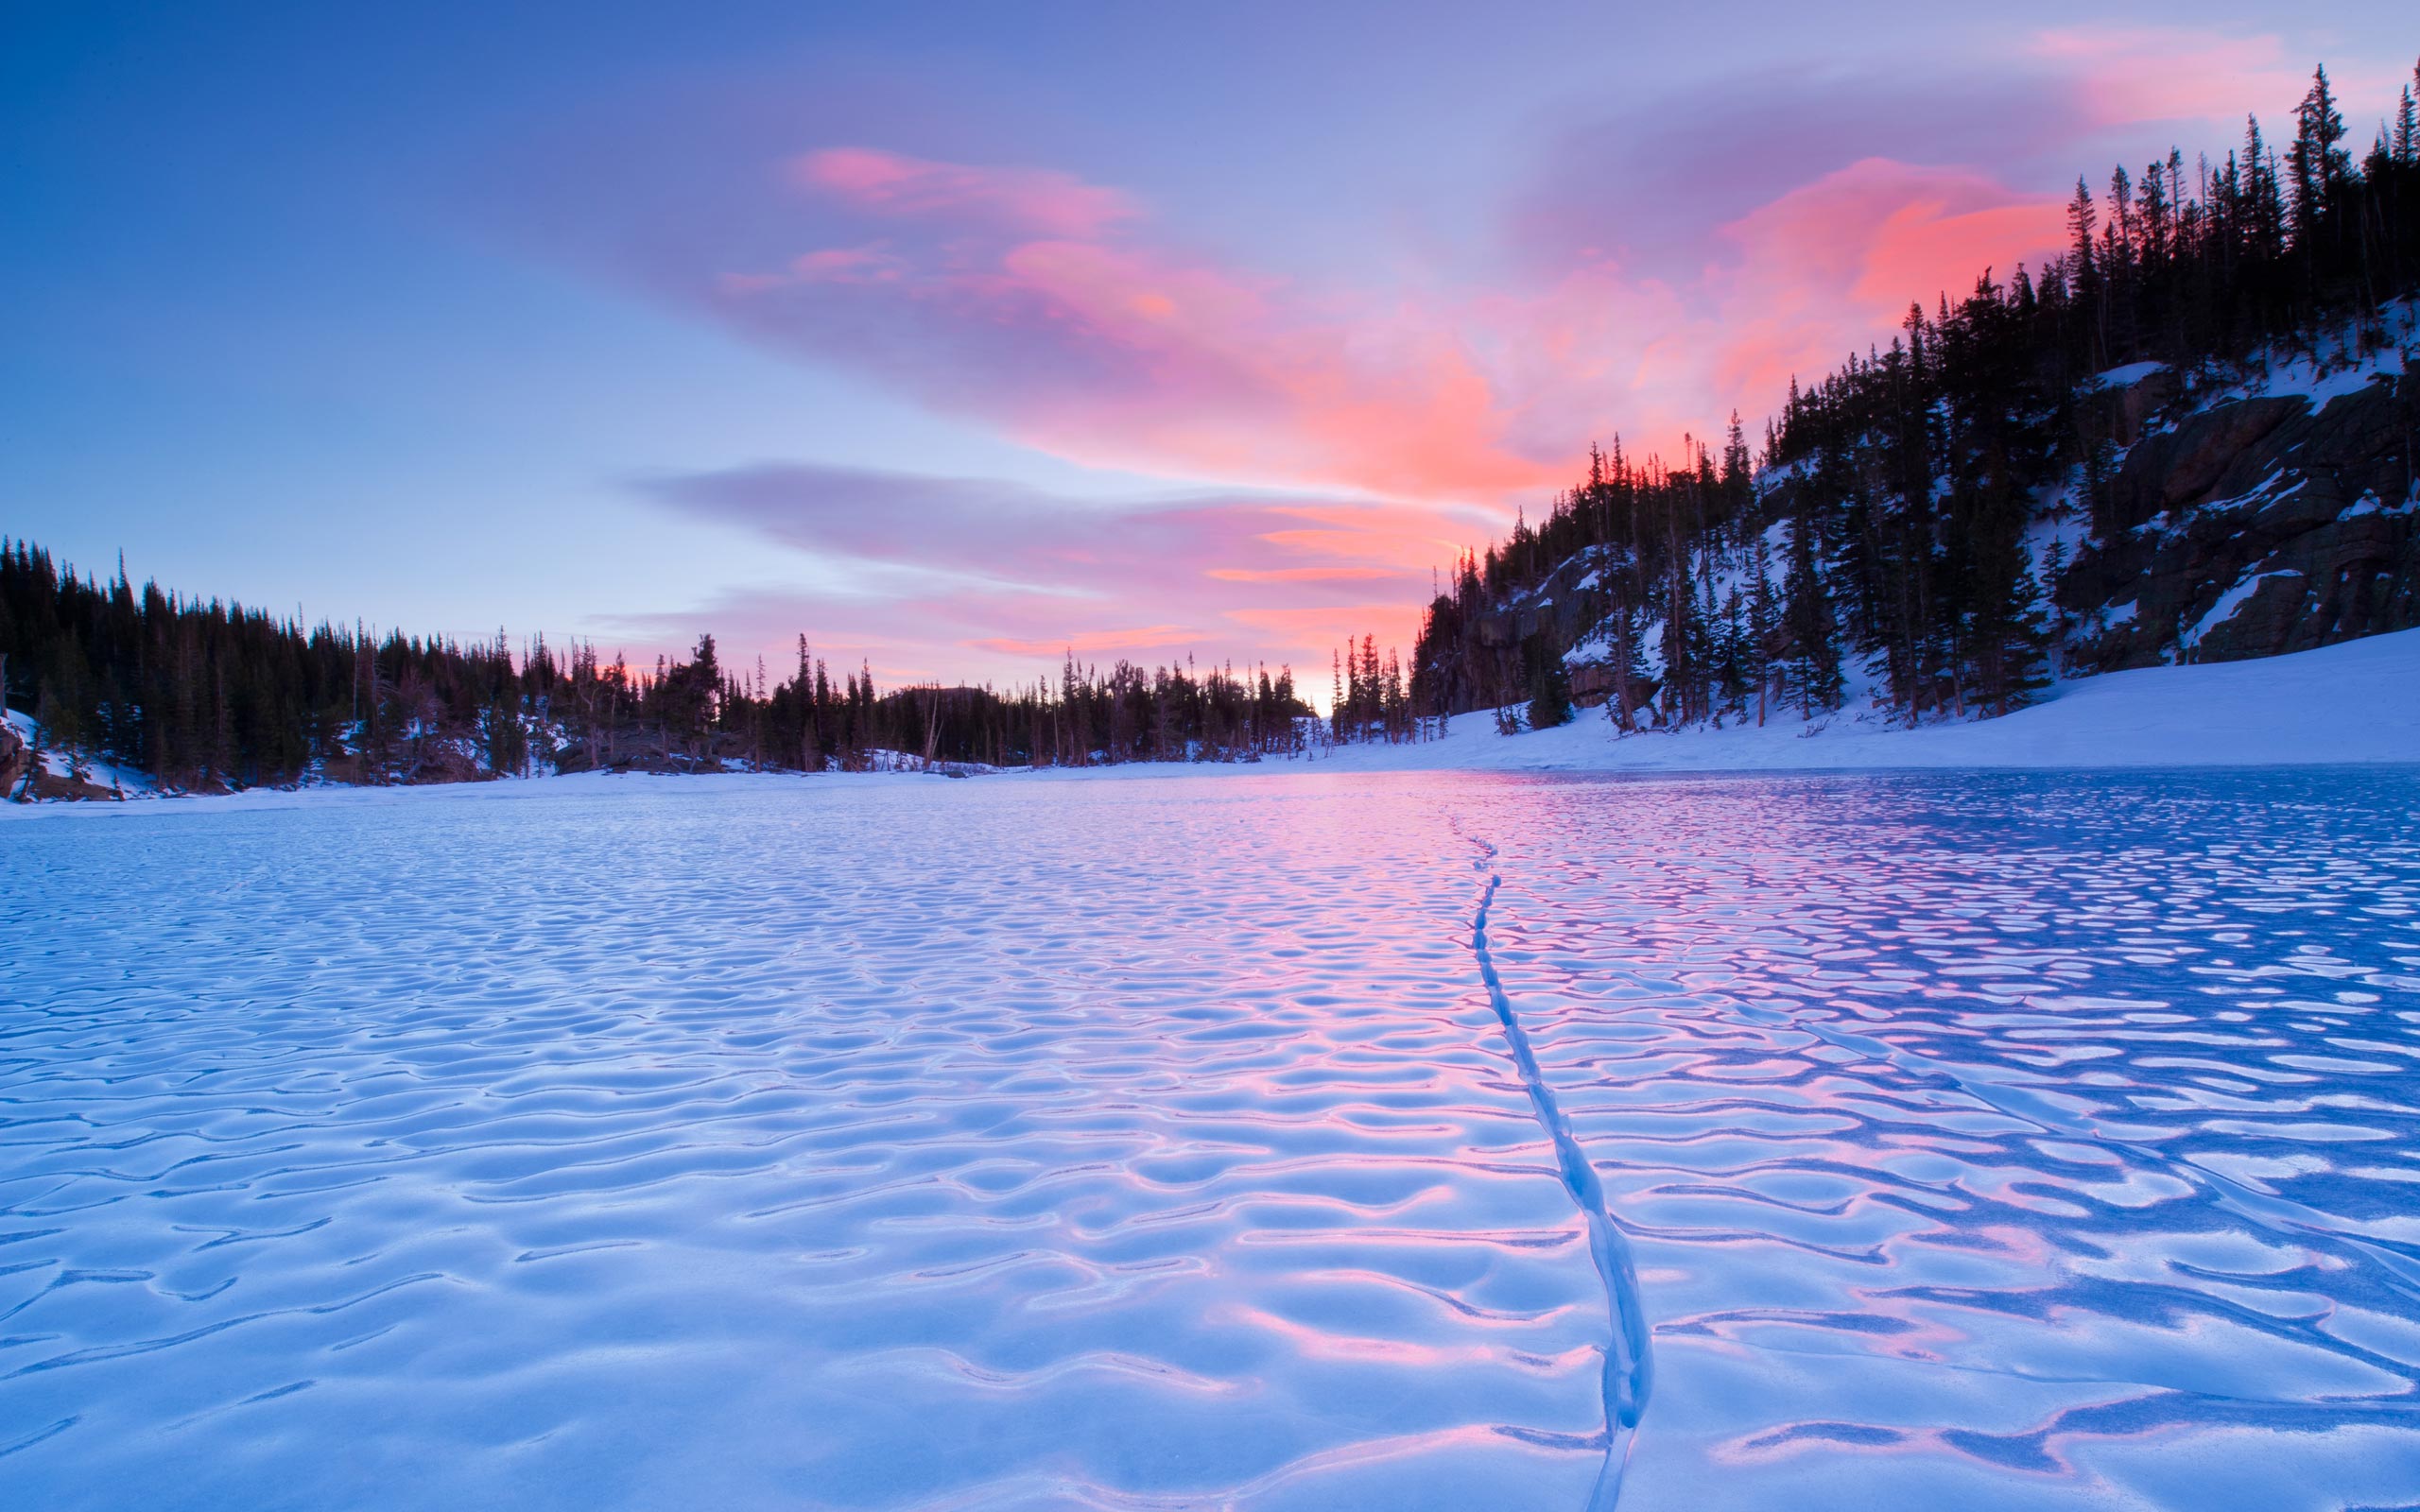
[(2129, 375), (2359, 702), (57, 762)]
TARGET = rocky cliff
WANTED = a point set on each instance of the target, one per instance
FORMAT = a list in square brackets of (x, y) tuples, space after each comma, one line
[(2234, 515), (2246, 526)]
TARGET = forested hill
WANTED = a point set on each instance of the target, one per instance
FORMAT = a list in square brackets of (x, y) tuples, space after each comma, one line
[(2190, 437)]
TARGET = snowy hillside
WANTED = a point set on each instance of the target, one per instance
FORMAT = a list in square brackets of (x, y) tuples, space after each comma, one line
[(1925, 546), (67, 773), (2357, 702)]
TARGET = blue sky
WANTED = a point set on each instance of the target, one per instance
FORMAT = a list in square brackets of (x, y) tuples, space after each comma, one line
[(946, 333)]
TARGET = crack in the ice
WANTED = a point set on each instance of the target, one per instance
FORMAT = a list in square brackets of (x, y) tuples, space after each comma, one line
[(1628, 1370)]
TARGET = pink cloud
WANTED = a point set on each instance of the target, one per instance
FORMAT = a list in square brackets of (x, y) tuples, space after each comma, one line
[(2128, 74), (1033, 305), (960, 571), (1094, 642), (1066, 326), (1831, 267), (1044, 201)]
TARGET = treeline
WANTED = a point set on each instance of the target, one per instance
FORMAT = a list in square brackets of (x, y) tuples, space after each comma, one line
[(1091, 717), (207, 695), (1370, 700), (1889, 516)]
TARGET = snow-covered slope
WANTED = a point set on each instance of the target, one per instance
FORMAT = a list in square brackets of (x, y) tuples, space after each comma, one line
[(101, 778), (2359, 702), (2219, 511)]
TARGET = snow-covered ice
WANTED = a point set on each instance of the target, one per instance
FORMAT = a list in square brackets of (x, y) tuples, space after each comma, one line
[(1989, 1139)]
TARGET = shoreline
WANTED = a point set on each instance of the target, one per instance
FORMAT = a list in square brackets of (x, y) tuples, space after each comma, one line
[(2355, 704)]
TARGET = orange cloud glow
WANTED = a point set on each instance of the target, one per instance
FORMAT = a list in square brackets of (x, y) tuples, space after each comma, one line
[(1093, 640), (1053, 311), (1298, 574), (1044, 311)]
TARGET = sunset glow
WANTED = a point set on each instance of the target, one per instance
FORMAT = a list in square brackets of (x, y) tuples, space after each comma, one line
[(956, 326)]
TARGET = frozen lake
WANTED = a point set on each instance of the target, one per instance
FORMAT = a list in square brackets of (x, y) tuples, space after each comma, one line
[(2006, 1141)]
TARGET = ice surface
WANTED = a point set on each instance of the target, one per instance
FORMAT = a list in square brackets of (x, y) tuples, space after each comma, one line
[(2023, 1139), (719, 1143), (1994, 1141)]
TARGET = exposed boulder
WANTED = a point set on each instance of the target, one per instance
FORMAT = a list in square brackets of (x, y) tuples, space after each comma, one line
[(1591, 685), (16, 759)]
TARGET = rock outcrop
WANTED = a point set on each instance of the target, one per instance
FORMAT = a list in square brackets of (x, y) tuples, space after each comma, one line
[(2254, 528), (1563, 608), (16, 759)]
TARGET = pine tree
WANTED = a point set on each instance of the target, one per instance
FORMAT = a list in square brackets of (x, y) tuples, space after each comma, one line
[(2152, 215), (1813, 632), (2317, 166), (2083, 216), (2264, 200), (1549, 684), (1764, 622)]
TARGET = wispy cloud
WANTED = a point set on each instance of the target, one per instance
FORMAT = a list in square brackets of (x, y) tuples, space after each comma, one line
[(1042, 201), (2123, 74), (951, 571), (1049, 308), (1026, 300)]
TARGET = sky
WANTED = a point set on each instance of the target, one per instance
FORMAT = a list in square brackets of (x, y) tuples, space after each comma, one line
[(955, 337)]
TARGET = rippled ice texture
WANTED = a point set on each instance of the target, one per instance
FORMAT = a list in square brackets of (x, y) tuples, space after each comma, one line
[(1970, 1141)]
